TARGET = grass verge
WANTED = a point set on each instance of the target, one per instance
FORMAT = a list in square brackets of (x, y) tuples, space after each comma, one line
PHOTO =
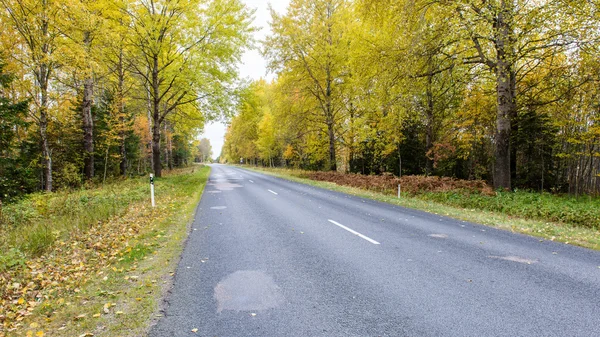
[(101, 273), (523, 212)]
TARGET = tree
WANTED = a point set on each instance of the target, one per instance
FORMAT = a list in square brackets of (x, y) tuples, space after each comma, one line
[(37, 24), (310, 46), (510, 38), (187, 53), (85, 27), (266, 142), (205, 150), (12, 118)]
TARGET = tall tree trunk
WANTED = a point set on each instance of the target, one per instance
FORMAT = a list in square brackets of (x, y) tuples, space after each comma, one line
[(43, 123), (123, 149), (156, 150), (505, 80), (43, 77), (86, 117), (429, 128), (332, 158), (399, 161), (167, 158), (150, 121), (330, 114), (46, 153), (88, 129), (170, 150), (122, 133), (156, 119), (330, 123)]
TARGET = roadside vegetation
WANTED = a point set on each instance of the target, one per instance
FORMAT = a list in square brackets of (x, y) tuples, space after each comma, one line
[(562, 218), (500, 91), (93, 261)]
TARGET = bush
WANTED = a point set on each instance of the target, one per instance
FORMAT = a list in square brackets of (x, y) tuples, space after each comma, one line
[(410, 184), (476, 194)]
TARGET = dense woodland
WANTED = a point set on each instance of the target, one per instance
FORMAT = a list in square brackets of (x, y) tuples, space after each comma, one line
[(94, 89), (505, 90)]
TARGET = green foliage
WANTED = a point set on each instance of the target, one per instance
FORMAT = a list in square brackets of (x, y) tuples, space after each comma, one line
[(36, 222), (583, 212), (11, 259), (14, 177), (101, 262), (93, 78), (505, 91)]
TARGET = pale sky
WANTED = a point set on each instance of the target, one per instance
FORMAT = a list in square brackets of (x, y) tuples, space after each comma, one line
[(253, 65)]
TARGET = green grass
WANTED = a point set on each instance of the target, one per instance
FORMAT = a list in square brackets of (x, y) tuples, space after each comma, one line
[(579, 212), (550, 217), (35, 223), (133, 276)]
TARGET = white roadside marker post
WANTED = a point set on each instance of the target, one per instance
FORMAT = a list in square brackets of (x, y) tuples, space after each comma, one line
[(152, 189), (398, 191)]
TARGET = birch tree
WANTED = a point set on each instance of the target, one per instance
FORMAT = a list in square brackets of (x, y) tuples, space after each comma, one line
[(37, 22)]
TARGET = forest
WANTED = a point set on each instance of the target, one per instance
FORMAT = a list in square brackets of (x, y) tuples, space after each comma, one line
[(97, 89), (506, 91)]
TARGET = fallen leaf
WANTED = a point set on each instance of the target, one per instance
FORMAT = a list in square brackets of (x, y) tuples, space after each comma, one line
[(194, 330), (96, 315), (39, 334)]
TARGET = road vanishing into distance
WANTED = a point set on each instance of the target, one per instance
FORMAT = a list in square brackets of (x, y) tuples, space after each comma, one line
[(269, 257)]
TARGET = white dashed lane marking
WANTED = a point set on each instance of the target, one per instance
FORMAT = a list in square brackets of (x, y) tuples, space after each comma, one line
[(354, 232)]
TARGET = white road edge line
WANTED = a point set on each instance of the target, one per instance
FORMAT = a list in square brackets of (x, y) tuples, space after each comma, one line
[(251, 181), (272, 192), (354, 232)]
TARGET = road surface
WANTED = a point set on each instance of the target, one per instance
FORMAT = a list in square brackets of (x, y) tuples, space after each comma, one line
[(269, 257)]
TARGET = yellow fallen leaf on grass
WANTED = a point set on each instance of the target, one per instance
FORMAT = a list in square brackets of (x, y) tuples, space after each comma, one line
[(39, 334), (96, 315), (119, 313)]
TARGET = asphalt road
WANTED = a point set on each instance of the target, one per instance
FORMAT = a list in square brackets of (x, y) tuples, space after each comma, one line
[(269, 257)]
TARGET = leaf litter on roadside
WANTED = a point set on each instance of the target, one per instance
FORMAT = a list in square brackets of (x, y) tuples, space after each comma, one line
[(44, 282)]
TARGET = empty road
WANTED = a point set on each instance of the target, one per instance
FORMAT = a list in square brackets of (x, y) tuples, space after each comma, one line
[(269, 257)]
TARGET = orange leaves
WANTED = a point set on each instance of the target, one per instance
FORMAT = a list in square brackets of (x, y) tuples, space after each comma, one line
[(411, 184)]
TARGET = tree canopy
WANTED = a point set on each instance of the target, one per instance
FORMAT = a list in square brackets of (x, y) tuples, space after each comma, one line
[(112, 87), (504, 91)]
